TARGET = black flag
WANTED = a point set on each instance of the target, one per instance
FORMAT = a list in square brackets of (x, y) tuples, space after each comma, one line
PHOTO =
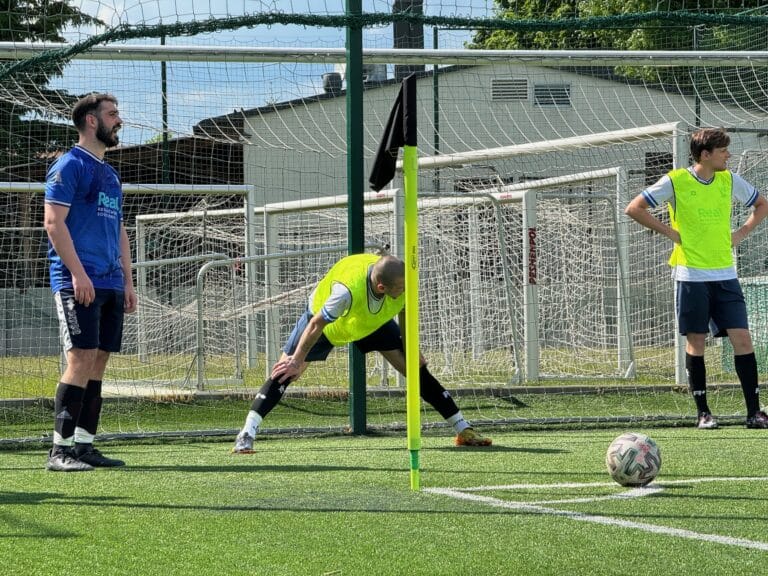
[(399, 131)]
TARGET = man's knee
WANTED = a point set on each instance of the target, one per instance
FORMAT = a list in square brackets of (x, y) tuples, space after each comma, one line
[(741, 341)]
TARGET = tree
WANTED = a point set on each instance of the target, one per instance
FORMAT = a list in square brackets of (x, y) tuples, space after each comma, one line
[(659, 36), (31, 126), (742, 87)]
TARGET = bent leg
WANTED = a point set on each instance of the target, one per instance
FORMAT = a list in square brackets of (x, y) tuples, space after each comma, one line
[(268, 396), (440, 399)]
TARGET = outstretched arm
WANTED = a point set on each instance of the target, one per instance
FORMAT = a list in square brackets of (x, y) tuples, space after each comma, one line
[(292, 366)]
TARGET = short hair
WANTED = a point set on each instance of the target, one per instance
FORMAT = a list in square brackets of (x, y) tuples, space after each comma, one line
[(708, 139), (87, 105), (388, 270)]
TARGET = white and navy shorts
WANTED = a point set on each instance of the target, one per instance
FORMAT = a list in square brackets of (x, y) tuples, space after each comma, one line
[(98, 325)]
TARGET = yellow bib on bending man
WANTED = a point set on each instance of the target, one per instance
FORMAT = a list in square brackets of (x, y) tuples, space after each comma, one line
[(359, 321), (702, 216)]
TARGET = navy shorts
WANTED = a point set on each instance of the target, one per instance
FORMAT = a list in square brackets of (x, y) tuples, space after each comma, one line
[(385, 338), (711, 307), (98, 325)]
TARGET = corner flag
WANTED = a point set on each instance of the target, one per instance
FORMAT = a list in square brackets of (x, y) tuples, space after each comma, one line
[(401, 131)]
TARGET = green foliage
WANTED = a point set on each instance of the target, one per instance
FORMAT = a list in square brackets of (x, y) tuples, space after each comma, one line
[(38, 20), (598, 34), (28, 131)]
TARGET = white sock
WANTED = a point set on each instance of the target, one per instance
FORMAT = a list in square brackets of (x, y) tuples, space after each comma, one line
[(59, 440), (458, 422), (82, 436), (252, 423)]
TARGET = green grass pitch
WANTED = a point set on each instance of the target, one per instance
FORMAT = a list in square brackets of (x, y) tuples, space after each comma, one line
[(341, 505)]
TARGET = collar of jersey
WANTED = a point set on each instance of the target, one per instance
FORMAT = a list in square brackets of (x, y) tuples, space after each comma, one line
[(701, 180), (88, 153)]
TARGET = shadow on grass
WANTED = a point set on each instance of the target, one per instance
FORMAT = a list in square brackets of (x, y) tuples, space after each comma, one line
[(498, 448), (7, 497), (16, 528), (666, 494), (318, 502), (447, 447), (239, 468), (321, 468)]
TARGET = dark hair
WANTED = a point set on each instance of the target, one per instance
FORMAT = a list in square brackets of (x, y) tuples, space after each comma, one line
[(88, 105), (708, 139), (388, 270)]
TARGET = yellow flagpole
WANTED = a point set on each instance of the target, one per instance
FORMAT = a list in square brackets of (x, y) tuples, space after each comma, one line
[(411, 256)]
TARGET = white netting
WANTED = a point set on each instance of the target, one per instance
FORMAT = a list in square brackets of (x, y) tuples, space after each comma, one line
[(228, 101)]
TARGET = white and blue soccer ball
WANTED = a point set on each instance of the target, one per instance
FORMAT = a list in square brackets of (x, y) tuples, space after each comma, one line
[(633, 459)]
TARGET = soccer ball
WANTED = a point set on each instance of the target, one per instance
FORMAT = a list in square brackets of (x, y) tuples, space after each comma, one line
[(633, 459)]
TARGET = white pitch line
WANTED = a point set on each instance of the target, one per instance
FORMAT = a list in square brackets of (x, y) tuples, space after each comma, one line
[(605, 484), (606, 520)]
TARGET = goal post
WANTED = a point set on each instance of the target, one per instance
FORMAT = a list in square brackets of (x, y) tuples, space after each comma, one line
[(488, 243), (436, 212), (528, 193), (172, 251)]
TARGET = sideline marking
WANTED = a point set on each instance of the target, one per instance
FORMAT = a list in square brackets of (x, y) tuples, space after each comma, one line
[(654, 488)]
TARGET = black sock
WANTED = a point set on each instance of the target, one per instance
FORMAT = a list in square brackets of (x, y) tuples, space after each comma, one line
[(67, 406), (434, 394), (697, 381), (89, 417), (270, 394), (746, 369)]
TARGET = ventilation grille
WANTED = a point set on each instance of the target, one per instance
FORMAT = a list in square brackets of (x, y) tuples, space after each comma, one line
[(509, 89), (552, 94)]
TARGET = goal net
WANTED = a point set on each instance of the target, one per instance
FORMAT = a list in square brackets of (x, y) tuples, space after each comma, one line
[(520, 282), (538, 297)]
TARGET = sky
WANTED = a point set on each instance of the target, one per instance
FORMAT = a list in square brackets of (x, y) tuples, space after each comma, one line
[(196, 91)]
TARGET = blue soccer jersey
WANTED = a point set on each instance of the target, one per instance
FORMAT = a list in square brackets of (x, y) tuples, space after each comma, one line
[(92, 190)]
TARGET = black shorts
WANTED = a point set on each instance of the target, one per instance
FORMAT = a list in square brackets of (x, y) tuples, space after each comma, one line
[(387, 337), (710, 307), (98, 325)]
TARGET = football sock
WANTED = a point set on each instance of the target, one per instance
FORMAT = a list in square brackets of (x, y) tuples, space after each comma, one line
[(268, 396), (67, 406), (89, 416), (458, 422), (252, 423), (82, 436), (434, 394), (746, 369), (697, 381)]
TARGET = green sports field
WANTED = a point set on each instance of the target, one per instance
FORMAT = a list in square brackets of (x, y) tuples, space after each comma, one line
[(537, 502)]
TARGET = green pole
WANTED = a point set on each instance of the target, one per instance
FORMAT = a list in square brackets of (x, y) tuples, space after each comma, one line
[(166, 157), (355, 179)]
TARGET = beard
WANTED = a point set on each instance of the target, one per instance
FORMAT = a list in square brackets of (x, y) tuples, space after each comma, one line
[(107, 137)]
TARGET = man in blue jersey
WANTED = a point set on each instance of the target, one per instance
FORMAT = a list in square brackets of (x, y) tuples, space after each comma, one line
[(90, 268), (354, 303), (709, 295)]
